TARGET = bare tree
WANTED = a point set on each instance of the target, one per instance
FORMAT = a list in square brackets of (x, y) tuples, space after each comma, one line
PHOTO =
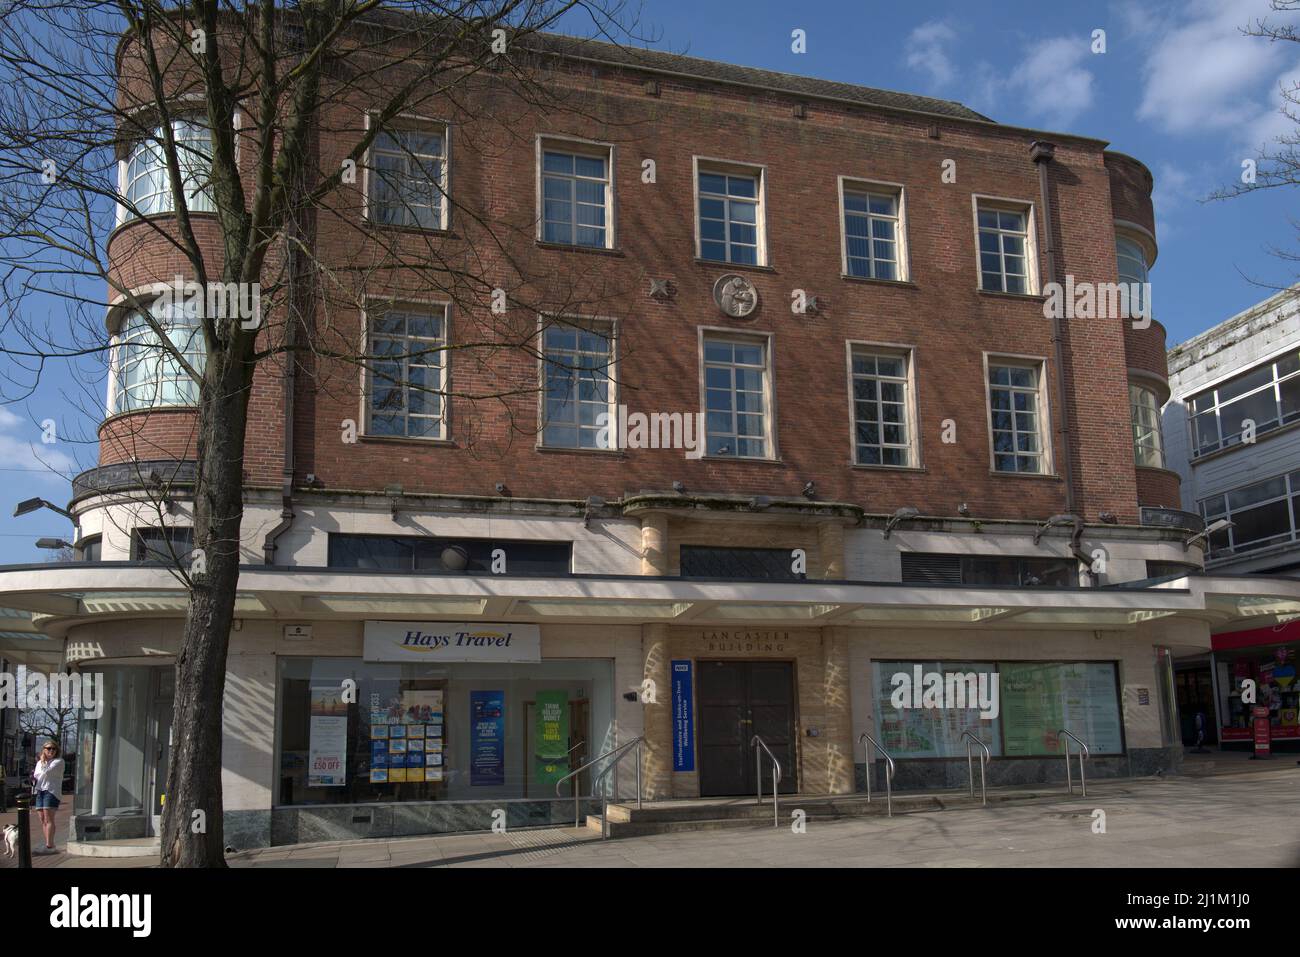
[(267, 118), (1278, 164)]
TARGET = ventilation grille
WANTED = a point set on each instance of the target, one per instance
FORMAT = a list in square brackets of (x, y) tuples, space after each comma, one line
[(923, 569)]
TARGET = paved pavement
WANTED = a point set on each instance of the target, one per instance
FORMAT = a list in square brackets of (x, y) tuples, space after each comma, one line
[(1217, 818)]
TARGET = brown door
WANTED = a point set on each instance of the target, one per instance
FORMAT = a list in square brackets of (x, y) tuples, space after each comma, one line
[(737, 700)]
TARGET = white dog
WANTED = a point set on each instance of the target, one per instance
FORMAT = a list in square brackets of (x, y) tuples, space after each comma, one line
[(11, 840)]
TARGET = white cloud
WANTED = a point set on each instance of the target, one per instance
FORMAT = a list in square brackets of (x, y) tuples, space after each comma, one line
[(1202, 74), (1050, 80), (927, 50), (21, 448), (1053, 82)]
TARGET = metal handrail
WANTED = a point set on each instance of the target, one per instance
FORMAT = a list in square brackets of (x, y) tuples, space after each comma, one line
[(889, 773), (984, 759), (756, 743), (618, 754), (1083, 754)]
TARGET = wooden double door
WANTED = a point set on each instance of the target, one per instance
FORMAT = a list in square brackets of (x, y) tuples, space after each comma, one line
[(737, 700)]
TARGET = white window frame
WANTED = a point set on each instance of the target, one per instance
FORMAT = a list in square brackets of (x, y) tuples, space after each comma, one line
[(1045, 437), (373, 305), (119, 315), (1153, 430), (1274, 384), (726, 167), (581, 147), (849, 184), (910, 416), (768, 341), (411, 123), (578, 321), (1008, 205), (180, 112)]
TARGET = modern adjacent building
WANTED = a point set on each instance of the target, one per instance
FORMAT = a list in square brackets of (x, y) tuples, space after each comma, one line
[(1231, 433), (907, 467)]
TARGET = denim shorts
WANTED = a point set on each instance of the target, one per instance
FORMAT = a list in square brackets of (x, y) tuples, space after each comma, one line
[(46, 800)]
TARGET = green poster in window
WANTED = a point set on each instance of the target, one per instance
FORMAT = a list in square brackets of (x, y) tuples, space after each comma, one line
[(550, 739)]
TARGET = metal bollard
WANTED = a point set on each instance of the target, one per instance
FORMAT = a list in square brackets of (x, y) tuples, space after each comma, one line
[(24, 802)]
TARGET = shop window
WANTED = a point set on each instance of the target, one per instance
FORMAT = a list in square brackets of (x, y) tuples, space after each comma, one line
[(414, 553), (1035, 700), (926, 568), (706, 561), (448, 732)]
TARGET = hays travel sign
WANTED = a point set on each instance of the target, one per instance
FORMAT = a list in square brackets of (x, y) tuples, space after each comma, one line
[(431, 641)]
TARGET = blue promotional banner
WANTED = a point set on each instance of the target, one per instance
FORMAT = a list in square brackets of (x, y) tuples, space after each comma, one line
[(487, 745), (683, 717)]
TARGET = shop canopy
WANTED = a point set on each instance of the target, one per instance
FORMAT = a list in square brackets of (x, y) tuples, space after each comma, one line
[(39, 603)]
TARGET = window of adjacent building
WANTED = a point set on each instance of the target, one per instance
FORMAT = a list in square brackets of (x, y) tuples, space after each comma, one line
[(735, 397), (730, 216), (1262, 514), (928, 568), (1004, 249), (146, 184), (708, 561), (881, 408), (406, 372), (872, 233), (1148, 446), (415, 553), (1268, 395), (170, 544), (576, 196), (1015, 416), (578, 387), (1132, 262), (147, 371), (407, 179)]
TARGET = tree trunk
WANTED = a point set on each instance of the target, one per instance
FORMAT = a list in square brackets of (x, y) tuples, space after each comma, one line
[(193, 833)]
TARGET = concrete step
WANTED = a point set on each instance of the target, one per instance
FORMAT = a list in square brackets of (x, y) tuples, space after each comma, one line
[(627, 820), (130, 847)]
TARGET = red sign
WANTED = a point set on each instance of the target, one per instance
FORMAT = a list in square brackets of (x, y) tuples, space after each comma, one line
[(1263, 734)]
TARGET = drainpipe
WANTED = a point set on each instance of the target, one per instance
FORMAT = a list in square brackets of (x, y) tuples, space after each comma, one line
[(1041, 153), (286, 474)]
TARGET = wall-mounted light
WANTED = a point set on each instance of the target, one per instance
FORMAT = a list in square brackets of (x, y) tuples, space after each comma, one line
[(679, 487), (35, 504), (901, 515), (1220, 525), (394, 493), (501, 488), (810, 490), (454, 558), (963, 510)]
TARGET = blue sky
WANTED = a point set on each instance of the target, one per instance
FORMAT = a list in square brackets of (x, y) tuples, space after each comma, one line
[(1178, 87)]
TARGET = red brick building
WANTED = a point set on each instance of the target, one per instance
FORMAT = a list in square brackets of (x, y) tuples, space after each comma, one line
[(905, 462)]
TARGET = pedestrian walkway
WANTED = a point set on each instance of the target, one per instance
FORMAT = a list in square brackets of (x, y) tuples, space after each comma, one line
[(1189, 821)]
